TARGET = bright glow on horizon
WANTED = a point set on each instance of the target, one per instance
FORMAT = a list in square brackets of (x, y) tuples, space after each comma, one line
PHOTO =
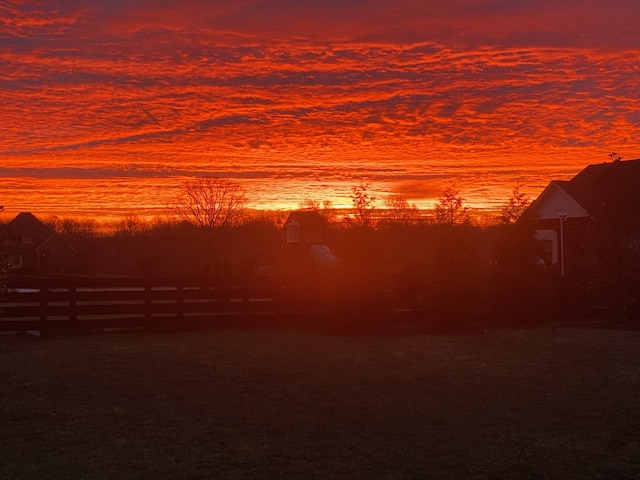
[(106, 108)]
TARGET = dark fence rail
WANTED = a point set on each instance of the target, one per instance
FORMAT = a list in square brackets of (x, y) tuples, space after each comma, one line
[(72, 304)]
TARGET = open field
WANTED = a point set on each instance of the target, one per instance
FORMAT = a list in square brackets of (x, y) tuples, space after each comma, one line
[(286, 404)]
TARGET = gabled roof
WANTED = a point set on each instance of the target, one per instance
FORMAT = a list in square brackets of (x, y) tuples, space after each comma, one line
[(55, 243), (591, 190), (554, 200), (307, 219), (8, 245), (25, 224), (598, 184), (309, 224)]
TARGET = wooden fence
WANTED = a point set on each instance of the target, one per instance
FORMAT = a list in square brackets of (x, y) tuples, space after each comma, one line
[(77, 304)]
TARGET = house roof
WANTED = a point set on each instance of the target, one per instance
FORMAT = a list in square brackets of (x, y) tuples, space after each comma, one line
[(25, 224), (310, 226), (593, 188), (307, 219), (598, 184), (56, 243), (555, 199)]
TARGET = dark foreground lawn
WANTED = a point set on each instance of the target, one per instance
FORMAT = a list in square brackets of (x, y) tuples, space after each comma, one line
[(533, 404)]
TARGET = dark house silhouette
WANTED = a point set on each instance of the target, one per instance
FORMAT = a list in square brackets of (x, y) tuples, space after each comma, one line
[(305, 226), (31, 246), (305, 242), (601, 204)]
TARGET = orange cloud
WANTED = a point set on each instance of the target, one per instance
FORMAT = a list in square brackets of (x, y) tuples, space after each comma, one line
[(307, 98)]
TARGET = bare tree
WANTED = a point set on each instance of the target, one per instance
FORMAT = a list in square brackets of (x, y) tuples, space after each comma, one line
[(210, 202), (450, 209), (130, 225), (78, 227), (400, 212), (324, 208), (515, 206), (363, 205)]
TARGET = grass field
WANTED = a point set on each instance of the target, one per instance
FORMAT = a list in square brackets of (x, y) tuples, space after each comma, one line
[(535, 404)]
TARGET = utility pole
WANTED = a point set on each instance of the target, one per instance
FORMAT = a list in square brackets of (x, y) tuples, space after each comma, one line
[(562, 215)]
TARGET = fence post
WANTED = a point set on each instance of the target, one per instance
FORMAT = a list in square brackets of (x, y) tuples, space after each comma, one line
[(276, 294), (43, 309), (180, 300), (147, 303), (73, 314), (245, 301)]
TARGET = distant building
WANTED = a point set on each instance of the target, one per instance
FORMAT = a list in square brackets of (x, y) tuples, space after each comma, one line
[(305, 237), (32, 246), (601, 204), (305, 226)]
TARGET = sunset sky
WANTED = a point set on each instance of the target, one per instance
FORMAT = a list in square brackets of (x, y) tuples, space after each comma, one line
[(106, 107)]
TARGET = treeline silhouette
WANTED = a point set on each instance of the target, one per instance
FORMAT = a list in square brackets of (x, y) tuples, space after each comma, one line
[(439, 266), (454, 275)]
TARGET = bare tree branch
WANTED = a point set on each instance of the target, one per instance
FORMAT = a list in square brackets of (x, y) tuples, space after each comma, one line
[(210, 202), (324, 208), (400, 212)]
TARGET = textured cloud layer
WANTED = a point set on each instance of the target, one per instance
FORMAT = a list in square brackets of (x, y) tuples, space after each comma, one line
[(301, 98)]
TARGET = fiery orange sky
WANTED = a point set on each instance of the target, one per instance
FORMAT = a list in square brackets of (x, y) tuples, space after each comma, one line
[(106, 107)]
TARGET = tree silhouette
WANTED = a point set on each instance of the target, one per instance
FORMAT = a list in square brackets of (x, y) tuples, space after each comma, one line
[(363, 204), (324, 208), (210, 202), (400, 212), (450, 209), (515, 206), (130, 225)]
